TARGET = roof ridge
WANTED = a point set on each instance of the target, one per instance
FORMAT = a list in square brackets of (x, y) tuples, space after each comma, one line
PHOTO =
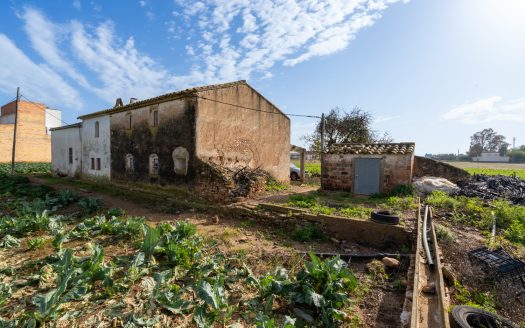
[(168, 95)]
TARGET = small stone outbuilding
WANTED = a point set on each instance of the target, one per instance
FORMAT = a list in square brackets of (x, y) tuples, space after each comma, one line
[(366, 169)]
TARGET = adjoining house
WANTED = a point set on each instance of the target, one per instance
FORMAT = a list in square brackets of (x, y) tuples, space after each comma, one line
[(178, 137), (33, 135), (494, 157), (366, 169)]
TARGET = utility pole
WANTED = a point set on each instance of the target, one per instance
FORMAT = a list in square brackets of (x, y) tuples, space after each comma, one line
[(14, 132), (322, 133)]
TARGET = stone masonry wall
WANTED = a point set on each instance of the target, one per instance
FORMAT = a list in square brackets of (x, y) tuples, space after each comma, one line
[(338, 171), (429, 167), (32, 142)]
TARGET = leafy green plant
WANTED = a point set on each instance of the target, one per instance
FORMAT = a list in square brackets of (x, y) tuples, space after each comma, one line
[(151, 241), (9, 242), (482, 300), (274, 185), (5, 293), (90, 204), (402, 203), (359, 212), (36, 243), (441, 199)]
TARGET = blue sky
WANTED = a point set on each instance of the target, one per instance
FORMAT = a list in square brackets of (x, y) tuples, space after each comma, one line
[(430, 71)]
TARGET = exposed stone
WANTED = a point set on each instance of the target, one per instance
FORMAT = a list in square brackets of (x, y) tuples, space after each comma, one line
[(390, 262), (429, 288)]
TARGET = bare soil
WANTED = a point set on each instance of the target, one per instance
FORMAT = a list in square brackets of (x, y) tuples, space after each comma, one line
[(264, 246)]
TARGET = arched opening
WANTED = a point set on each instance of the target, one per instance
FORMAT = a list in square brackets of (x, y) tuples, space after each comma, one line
[(180, 160), (153, 165), (130, 163)]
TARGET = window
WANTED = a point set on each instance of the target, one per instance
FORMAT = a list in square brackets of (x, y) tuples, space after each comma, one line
[(155, 118), (98, 164), (70, 155), (130, 165), (96, 129), (153, 165), (92, 163)]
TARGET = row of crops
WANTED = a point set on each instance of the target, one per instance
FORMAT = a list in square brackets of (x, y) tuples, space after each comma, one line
[(95, 267), (25, 168)]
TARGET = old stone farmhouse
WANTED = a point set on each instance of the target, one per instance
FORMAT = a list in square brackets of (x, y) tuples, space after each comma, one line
[(366, 169), (177, 137), (33, 136)]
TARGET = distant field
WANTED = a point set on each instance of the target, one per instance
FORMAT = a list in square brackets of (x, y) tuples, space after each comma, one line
[(492, 168)]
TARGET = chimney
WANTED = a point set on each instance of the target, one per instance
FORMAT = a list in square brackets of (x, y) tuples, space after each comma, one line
[(119, 103), (132, 100)]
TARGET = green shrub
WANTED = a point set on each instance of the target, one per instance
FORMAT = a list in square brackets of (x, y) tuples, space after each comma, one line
[(401, 203), (304, 201), (515, 232), (307, 233), (403, 190)]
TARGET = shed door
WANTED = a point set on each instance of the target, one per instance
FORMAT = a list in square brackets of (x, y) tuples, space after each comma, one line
[(367, 175)]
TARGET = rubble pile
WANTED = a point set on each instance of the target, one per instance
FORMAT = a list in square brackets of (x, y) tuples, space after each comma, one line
[(226, 184), (494, 186)]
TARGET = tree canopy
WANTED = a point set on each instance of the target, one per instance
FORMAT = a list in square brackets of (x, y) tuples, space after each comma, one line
[(487, 140), (344, 127)]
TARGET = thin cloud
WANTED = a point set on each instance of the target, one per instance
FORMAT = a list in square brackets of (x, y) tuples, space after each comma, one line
[(37, 81), (488, 110)]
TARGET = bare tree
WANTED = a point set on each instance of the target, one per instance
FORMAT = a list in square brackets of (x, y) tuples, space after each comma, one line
[(343, 127)]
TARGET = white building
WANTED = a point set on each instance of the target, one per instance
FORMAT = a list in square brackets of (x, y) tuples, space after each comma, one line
[(491, 157)]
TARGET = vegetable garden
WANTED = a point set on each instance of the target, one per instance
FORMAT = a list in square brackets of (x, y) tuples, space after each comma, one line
[(66, 261)]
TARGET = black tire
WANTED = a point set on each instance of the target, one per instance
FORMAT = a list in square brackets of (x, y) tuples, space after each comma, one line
[(294, 176), (384, 217), (470, 317)]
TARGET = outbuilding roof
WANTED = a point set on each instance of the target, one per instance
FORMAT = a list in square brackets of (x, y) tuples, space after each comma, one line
[(403, 148), (75, 125)]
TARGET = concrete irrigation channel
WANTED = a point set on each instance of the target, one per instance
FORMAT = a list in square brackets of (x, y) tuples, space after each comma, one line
[(429, 303)]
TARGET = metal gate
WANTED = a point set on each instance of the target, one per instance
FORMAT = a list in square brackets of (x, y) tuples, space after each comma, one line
[(367, 176)]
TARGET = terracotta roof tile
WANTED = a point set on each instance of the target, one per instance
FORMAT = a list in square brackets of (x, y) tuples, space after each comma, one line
[(403, 148)]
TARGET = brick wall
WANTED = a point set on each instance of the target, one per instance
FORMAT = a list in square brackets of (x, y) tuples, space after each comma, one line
[(32, 143), (338, 171)]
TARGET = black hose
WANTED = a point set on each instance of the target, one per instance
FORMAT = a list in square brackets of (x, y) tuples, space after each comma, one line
[(430, 261)]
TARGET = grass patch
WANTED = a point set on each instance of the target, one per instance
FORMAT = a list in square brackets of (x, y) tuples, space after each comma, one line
[(520, 173), (482, 300), (443, 233), (25, 168), (274, 185), (307, 233)]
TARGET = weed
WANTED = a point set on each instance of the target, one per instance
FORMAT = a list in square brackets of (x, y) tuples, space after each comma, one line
[(482, 300), (274, 185), (307, 233), (356, 212), (441, 199), (402, 203), (443, 233), (247, 224), (9, 242), (403, 190)]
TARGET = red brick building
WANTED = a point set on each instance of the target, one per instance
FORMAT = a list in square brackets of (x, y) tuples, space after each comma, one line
[(33, 138), (365, 169)]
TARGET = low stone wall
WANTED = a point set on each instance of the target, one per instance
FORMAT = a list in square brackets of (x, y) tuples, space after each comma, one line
[(364, 232), (428, 167)]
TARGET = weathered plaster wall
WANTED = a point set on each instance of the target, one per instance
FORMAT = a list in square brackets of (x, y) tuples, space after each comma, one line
[(429, 167), (61, 141), (96, 147), (338, 171), (236, 137), (32, 142), (176, 122)]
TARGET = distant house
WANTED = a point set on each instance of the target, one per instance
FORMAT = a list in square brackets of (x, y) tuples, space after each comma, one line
[(491, 157), (33, 136), (174, 138), (366, 169)]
